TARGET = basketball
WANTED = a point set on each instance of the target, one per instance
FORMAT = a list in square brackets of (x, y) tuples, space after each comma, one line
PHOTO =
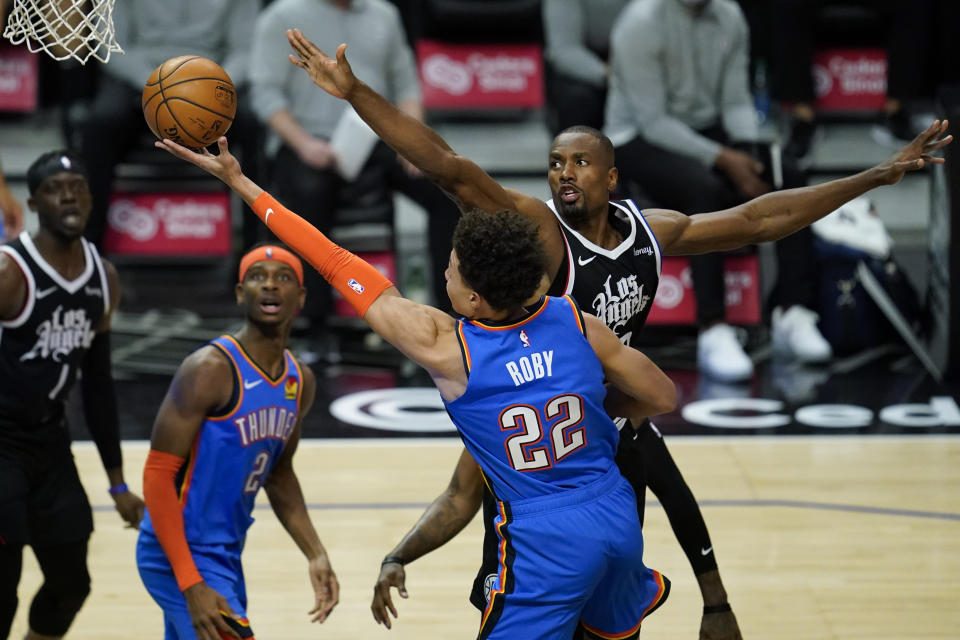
[(190, 100)]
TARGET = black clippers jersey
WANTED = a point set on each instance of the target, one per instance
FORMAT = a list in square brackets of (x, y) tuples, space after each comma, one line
[(616, 285), (44, 345)]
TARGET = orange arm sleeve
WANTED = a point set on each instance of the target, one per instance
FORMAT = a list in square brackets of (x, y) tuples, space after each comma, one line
[(356, 280), (160, 496)]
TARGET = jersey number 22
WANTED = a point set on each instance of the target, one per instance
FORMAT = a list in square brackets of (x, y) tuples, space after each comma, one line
[(567, 410)]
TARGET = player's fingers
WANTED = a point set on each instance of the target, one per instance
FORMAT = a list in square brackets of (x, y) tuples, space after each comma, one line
[(297, 62), (294, 37), (938, 144), (308, 48)]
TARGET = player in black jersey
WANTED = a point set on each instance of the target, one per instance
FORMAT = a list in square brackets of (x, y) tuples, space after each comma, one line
[(56, 297), (581, 174)]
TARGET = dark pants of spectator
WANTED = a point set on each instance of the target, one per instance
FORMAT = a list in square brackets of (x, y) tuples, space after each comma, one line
[(912, 37), (573, 102), (675, 181), (115, 125), (315, 195)]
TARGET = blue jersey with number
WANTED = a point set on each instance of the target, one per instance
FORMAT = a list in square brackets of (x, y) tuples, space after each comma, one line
[(234, 452), (532, 414)]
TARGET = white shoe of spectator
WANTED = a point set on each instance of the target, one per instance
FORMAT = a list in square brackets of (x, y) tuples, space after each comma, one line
[(795, 335), (720, 356)]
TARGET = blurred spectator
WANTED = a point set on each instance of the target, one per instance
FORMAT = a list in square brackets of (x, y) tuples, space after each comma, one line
[(151, 33), (11, 213), (679, 112), (577, 35), (302, 119), (920, 40)]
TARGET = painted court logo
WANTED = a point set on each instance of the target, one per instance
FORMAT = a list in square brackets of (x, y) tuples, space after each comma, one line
[(356, 286)]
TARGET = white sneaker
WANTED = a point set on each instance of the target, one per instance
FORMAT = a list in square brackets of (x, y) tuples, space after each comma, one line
[(795, 335), (720, 356)]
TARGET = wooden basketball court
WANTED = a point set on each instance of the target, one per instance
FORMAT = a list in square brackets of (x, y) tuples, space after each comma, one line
[(817, 538)]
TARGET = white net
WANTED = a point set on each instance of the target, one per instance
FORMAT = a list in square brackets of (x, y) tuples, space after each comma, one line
[(64, 29)]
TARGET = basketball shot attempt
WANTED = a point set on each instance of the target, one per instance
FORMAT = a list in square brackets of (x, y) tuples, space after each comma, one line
[(570, 545), (190, 100), (78, 29)]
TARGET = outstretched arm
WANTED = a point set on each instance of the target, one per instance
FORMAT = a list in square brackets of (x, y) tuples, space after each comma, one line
[(441, 522), (415, 329), (286, 499), (778, 214), (465, 182), (458, 176)]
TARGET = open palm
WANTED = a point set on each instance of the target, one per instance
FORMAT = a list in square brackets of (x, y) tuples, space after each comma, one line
[(918, 153), (333, 76)]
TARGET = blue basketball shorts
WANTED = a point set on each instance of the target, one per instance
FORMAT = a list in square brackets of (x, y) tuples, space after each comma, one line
[(221, 570), (575, 556)]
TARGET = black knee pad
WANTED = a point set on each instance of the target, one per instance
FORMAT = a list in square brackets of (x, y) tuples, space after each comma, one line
[(57, 603)]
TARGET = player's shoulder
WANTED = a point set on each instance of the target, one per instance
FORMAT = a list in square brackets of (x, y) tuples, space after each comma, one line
[(207, 362), (13, 286)]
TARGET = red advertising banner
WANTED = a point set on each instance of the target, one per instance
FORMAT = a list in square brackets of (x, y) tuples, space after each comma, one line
[(675, 302), (850, 79), (468, 76), (169, 224), (18, 79), (384, 262)]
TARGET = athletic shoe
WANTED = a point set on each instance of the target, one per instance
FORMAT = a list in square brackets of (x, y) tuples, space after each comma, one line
[(796, 336), (720, 356)]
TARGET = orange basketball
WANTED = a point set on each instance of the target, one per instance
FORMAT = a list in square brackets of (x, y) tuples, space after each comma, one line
[(190, 100)]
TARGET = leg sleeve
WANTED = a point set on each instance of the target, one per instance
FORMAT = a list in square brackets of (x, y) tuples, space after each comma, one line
[(667, 483)]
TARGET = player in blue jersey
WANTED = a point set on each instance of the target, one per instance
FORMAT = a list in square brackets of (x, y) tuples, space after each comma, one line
[(524, 384), (230, 424), (580, 217)]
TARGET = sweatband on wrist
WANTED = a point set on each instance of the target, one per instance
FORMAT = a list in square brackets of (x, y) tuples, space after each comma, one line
[(355, 279), (117, 489), (716, 608), (166, 514), (393, 560)]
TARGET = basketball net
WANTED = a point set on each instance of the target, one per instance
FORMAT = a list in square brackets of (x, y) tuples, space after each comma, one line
[(64, 28)]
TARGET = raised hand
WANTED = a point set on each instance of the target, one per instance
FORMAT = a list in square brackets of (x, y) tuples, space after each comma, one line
[(917, 154), (326, 588), (333, 76), (223, 166), (391, 575)]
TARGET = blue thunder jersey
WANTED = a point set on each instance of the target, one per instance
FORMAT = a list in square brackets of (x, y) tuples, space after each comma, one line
[(532, 414), (235, 451)]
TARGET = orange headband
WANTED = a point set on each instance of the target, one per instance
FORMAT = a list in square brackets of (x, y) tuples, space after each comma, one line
[(271, 252)]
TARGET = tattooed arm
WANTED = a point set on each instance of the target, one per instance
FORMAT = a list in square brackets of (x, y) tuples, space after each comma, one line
[(443, 519)]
